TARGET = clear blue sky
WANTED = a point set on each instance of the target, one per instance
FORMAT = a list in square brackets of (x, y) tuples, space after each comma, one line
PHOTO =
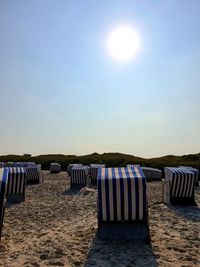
[(60, 92)]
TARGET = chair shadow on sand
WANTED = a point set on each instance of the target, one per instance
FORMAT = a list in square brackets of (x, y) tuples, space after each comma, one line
[(72, 191), (120, 253), (191, 213)]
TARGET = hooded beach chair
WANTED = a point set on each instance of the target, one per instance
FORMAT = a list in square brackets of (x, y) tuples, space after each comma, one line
[(122, 204), (178, 186), (94, 172), (3, 187), (55, 167), (16, 184), (80, 176)]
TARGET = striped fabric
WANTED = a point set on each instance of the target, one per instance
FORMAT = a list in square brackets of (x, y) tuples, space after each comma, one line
[(181, 181), (152, 173), (55, 167), (2, 164), (16, 181), (33, 175), (194, 170), (24, 164), (121, 194), (3, 180), (29, 163), (80, 175), (94, 171), (3, 185), (9, 164), (70, 166), (20, 164)]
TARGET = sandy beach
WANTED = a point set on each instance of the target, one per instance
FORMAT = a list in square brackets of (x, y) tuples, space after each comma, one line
[(57, 226)]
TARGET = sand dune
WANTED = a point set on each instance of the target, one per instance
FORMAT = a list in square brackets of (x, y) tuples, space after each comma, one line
[(57, 226)]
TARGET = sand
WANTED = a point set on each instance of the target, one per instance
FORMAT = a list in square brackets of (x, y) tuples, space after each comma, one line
[(57, 226)]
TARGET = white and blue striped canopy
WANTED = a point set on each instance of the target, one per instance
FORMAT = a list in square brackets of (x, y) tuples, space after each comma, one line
[(3, 183), (70, 166), (20, 164), (134, 171), (16, 180), (194, 170), (121, 194)]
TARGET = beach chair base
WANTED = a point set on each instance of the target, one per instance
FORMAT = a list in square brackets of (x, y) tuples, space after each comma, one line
[(186, 201), (53, 172), (30, 182), (124, 231), (77, 186), (93, 182), (15, 198)]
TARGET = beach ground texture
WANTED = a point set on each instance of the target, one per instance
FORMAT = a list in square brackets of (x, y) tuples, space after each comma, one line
[(57, 226)]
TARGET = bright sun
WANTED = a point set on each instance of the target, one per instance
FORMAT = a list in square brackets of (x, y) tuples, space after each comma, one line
[(123, 43)]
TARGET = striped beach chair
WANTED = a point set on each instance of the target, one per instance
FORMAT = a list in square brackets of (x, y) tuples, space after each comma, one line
[(178, 186), (70, 166), (94, 172), (152, 174), (33, 174), (122, 204), (3, 187), (195, 171), (16, 184), (55, 167), (80, 176)]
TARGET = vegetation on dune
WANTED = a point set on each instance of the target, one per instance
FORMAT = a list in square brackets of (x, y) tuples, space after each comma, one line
[(110, 159)]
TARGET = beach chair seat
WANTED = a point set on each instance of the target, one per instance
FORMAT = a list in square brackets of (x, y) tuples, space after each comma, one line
[(178, 186), (55, 167), (80, 176), (3, 188), (122, 204), (94, 172), (16, 184)]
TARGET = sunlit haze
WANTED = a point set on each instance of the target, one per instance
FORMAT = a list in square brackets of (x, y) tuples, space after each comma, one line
[(78, 77)]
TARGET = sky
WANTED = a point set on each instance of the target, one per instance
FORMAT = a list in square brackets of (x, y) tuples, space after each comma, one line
[(62, 93)]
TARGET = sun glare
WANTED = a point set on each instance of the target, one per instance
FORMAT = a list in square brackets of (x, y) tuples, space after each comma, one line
[(123, 43)]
